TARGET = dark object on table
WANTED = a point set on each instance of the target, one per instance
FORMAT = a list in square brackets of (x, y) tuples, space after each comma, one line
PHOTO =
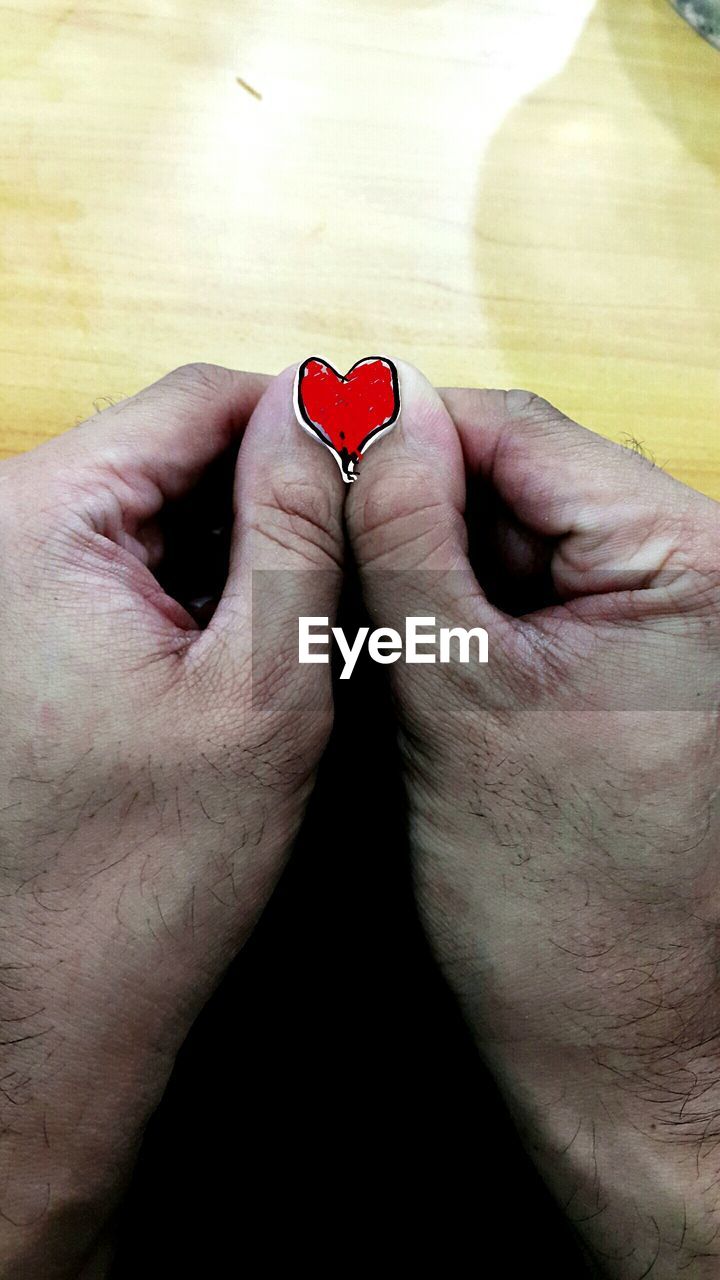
[(703, 15)]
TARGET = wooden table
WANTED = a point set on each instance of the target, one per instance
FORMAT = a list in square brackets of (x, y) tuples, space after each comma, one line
[(505, 192)]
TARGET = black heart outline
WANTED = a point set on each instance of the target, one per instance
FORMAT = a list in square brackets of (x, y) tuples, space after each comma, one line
[(347, 460)]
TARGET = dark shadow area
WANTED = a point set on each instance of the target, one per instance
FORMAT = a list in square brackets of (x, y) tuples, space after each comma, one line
[(329, 1109), (195, 534)]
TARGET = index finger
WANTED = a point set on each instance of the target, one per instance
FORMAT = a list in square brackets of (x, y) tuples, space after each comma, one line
[(152, 447), (617, 518)]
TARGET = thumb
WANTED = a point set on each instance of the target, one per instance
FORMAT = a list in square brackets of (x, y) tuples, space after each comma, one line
[(406, 511), (287, 550), (405, 519)]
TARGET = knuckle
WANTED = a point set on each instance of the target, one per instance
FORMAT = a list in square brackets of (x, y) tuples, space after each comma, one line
[(301, 514), (530, 406), (401, 520), (308, 503), (391, 497), (200, 378)]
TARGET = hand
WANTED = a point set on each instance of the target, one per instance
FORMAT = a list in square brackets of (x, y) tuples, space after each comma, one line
[(564, 797), (152, 774)]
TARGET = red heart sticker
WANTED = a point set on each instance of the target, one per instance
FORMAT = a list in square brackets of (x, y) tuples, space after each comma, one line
[(347, 413)]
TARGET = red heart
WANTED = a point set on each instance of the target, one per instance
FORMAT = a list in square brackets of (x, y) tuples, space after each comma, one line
[(347, 413)]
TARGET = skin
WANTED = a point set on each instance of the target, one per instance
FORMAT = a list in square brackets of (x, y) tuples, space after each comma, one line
[(564, 798), (153, 775)]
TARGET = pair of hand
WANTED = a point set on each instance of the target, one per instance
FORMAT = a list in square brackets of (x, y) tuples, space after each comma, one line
[(563, 798)]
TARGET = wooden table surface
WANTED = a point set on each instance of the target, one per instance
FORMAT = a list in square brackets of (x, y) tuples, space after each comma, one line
[(505, 192)]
